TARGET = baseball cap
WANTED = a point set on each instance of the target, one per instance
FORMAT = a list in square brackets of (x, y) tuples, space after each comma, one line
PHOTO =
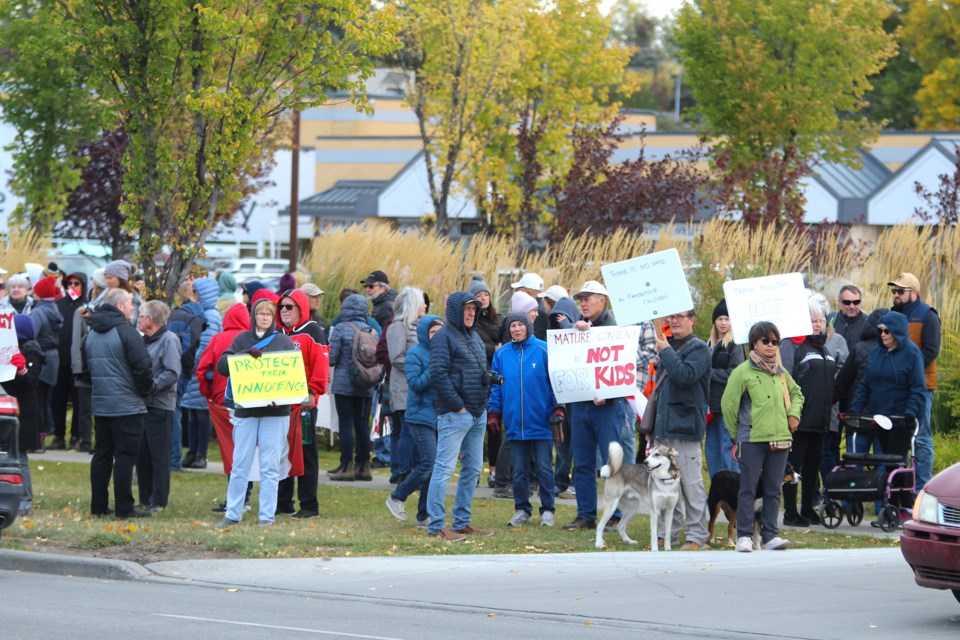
[(530, 280), (311, 290), (591, 286), (555, 293), (376, 277), (907, 281)]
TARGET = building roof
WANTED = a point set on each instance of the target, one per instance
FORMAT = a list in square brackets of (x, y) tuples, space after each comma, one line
[(846, 182), (347, 199)]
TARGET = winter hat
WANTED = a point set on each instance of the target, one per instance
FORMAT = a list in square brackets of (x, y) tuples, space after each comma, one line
[(119, 269), (287, 282), (227, 284), (24, 326), (522, 302), (98, 278), (46, 289), (252, 287), (477, 285), (720, 310)]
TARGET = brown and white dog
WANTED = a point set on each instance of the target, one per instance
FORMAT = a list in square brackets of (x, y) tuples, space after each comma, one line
[(652, 487), (724, 496)]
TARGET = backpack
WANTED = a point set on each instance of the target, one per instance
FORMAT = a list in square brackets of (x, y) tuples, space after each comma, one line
[(365, 371)]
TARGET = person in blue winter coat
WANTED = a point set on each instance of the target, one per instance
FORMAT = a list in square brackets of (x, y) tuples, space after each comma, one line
[(421, 419), (193, 403), (525, 404)]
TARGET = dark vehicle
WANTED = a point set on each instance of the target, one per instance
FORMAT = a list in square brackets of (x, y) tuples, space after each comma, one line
[(931, 541), (11, 482)]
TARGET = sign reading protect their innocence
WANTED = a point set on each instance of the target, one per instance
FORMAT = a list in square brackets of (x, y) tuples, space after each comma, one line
[(8, 346), (274, 378), (780, 299), (648, 287), (598, 363)]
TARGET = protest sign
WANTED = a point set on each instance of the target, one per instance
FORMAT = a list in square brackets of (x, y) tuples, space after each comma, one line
[(600, 362), (780, 299), (8, 346), (648, 287), (276, 377)]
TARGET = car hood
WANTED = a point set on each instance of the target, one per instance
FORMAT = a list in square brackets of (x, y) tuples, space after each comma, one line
[(945, 484)]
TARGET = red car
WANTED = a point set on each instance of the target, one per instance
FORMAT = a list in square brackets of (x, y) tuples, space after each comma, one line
[(931, 541), (11, 482)]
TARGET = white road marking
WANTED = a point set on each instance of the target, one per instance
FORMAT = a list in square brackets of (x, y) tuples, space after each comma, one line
[(341, 634)]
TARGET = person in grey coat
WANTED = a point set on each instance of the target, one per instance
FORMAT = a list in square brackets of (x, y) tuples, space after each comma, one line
[(118, 365), (48, 321), (153, 462)]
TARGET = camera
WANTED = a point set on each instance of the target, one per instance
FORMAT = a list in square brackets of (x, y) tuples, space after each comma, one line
[(491, 377)]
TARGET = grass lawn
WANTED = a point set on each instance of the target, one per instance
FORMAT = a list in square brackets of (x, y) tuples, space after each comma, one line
[(353, 522)]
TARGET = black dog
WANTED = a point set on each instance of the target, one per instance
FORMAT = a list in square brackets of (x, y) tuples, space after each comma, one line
[(723, 496)]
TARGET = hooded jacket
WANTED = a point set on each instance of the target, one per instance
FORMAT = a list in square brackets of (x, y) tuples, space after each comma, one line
[(421, 400), (383, 307), (208, 292), (118, 365), (525, 400), (894, 382), (25, 388), (399, 338), (684, 394), (923, 323), (164, 349), (227, 288), (457, 361), (489, 331), (316, 358), (855, 365), (47, 323), (810, 363), (211, 383), (67, 308), (566, 307), (353, 311), (186, 323)]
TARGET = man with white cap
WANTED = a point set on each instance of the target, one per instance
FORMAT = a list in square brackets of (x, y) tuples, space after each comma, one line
[(531, 283), (924, 324), (315, 299)]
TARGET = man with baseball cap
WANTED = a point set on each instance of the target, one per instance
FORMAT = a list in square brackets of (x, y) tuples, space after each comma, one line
[(376, 286), (924, 325), (315, 298), (532, 284)]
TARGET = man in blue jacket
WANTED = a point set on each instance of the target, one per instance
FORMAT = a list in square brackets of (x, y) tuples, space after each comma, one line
[(458, 363)]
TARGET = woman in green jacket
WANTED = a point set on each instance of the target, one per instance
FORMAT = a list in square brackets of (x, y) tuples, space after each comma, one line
[(761, 408)]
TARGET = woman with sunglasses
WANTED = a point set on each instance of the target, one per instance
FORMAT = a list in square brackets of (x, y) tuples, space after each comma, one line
[(761, 408)]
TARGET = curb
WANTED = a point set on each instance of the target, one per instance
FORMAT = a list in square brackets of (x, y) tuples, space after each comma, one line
[(74, 566)]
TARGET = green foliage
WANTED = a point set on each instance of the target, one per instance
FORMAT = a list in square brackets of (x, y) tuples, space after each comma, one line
[(892, 102), (932, 33)]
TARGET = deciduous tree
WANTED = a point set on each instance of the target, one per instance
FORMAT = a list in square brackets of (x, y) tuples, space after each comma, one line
[(932, 32)]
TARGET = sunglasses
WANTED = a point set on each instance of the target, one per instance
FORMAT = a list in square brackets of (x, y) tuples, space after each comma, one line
[(3, 285), (287, 307), (370, 286), (849, 302), (884, 331), (770, 341), (899, 292)]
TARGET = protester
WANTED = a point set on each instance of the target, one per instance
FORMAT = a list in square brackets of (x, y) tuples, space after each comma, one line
[(378, 291), (849, 319), (488, 327), (852, 372), (18, 294), (187, 322), (227, 287), (315, 297), (408, 308), (551, 296), (532, 284), (193, 404), (47, 323), (64, 390), (563, 315), (25, 388), (725, 357)]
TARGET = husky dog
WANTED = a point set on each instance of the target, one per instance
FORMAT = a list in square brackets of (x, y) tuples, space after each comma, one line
[(653, 487), (724, 495)]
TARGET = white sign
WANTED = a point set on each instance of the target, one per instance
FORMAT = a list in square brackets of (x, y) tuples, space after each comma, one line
[(648, 287), (600, 362), (780, 299), (8, 346)]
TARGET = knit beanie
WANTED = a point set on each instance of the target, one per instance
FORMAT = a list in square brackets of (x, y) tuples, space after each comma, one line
[(720, 310), (287, 282), (24, 327), (99, 279), (118, 269), (477, 285), (522, 302), (46, 289)]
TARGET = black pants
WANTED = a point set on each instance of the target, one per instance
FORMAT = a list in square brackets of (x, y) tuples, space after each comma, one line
[(307, 483), (118, 441), (63, 392), (153, 460), (805, 458)]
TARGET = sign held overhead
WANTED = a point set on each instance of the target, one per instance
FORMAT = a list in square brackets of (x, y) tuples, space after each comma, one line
[(780, 299), (647, 287)]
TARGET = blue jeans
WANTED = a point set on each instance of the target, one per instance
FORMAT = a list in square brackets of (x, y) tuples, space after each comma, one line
[(269, 433), (353, 413), (456, 433), (539, 452), (923, 445), (628, 433), (401, 445), (424, 437), (717, 447), (592, 427), (176, 434)]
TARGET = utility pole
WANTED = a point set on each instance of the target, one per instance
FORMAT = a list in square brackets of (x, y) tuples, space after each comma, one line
[(294, 190)]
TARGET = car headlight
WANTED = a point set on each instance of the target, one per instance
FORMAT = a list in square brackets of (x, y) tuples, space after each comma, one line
[(926, 508)]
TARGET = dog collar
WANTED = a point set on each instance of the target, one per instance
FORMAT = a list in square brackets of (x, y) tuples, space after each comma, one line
[(668, 480)]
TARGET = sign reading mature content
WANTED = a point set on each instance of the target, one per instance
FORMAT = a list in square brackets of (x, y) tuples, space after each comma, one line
[(277, 377), (780, 299), (8, 346), (598, 363), (648, 287)]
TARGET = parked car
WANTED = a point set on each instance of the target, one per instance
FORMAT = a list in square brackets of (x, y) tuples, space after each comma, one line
[(11, 482), (931, 541), (78, 263), (246, 269)]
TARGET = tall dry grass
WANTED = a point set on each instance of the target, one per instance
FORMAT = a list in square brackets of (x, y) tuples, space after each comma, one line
[(18, 247)]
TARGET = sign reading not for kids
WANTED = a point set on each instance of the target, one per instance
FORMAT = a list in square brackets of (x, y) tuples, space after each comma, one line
[(780, 299), (600, 362), (276, 377)]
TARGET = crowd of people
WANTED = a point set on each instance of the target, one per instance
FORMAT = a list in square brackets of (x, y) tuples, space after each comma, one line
[(147, 381)]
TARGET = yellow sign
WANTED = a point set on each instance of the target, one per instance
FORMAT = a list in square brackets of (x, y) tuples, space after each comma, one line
[(276, 377)]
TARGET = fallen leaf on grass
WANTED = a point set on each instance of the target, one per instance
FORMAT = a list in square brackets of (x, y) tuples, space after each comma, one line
[(232, 590), (490, 615)]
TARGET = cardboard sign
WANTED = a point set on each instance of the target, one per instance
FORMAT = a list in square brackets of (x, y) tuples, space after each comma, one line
[(780, 299), (648, 287), (600, 362), (276, 377), (8, 345)]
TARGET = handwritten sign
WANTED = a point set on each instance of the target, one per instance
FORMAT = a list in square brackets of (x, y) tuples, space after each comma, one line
[(648, 287), (780, 299), (276, 377), (598, 363), (8, 346)]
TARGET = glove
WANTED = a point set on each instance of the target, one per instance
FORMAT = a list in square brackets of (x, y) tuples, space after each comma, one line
[(556, 425), (493, 423), (558, 415), (733, 452), (18, 361), (253, 352)]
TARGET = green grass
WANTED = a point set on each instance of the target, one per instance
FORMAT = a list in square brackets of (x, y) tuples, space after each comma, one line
[(353, 522)]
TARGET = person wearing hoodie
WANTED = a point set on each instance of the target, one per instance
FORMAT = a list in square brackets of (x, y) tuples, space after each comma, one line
[(256, 428), (526, 406), (65, 390), (187, 323), (227, 287), (117, 363), (421, 421), (725, 356), (458, 370), (353, 403), (25, 388), (197, 412), (488, 326), (153, 466), (293, 319), (563, 314), (408, 307), (248, 289), (47, 323)]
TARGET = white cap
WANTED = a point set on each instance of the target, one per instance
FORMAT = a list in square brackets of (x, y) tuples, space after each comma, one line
[(530, 280), (555, 292), (591, 286)]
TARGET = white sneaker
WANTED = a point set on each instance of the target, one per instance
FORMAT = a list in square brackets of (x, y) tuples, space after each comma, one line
[(397, 509), (546, 519), (519, 519), (775, 544), (745, 544)]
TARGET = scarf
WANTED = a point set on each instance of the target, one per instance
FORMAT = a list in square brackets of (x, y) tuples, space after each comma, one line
[(772, 366)]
